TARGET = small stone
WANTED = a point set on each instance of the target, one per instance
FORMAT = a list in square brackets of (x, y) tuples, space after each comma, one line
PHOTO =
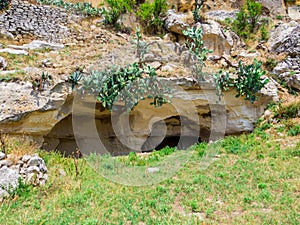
[(35, 161), (2, 155), (33, 169), (43, 168), (42, 182), (62, 172), (152, 170), (26, 158), (6, 162), (9, 179)]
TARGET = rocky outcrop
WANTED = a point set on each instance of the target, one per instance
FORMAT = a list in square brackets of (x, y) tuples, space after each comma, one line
[(30, 169), (41, 21), (285, 39), (289, 71), (221, 15), (38, 45), (65, 122), (176, 22), (219, 40), (215, 37), (275, 7)]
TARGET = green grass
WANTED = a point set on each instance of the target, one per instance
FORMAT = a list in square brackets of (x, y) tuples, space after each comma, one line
[(251, 181)]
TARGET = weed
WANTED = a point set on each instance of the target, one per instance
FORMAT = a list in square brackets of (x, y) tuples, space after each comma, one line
[(294, 130)]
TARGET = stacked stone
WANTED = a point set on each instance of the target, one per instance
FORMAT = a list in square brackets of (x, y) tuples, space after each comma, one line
[(45, 22), (31, 169)]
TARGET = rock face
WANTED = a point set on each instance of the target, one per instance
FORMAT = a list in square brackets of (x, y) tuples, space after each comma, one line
[(276, 7), (219, 40), (41, 21), (221, 15), (289, 70), (31, 169), (285, 39), (65, 122), (214, 36)]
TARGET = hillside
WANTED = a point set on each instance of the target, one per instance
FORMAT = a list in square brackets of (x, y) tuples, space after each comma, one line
[(160, 112)]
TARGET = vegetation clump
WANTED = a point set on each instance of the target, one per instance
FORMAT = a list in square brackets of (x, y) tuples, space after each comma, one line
[(151, 15), (129, 84), (249, 21), (4, 4)]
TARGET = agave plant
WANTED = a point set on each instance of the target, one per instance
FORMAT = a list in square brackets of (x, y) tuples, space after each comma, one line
[(74, 78)]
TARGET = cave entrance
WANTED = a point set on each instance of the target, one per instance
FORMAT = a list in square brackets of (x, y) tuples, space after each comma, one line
[(61, 137)]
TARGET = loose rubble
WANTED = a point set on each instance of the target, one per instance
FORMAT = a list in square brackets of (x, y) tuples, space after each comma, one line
[(31, 169), (28, 19)]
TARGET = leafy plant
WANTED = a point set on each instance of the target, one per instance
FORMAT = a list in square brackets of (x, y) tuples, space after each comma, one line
[(249, 80), (287, 111), (151, 15), (196, 47), (75, 77), (223, 82), (39, 83), (128, 84)]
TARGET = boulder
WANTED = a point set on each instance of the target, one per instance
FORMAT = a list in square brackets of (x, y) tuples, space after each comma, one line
[(285, 39), (176, 22), (294, 12), (276, 7), (14, 51), (219, 40), (9, 180), (289, 71)]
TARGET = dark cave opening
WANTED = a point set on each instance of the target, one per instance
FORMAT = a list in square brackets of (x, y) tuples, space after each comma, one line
[(61, 138)]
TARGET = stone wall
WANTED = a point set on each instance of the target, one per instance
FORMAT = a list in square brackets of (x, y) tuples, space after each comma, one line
[(45, 22)]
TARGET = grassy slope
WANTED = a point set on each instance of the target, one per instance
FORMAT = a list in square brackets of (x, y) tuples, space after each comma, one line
[(253, 181)]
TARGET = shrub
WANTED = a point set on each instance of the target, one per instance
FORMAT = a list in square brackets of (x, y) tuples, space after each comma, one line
[(150, 15), (287, 112), (247, 18), (4, 4), (117, 8)]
